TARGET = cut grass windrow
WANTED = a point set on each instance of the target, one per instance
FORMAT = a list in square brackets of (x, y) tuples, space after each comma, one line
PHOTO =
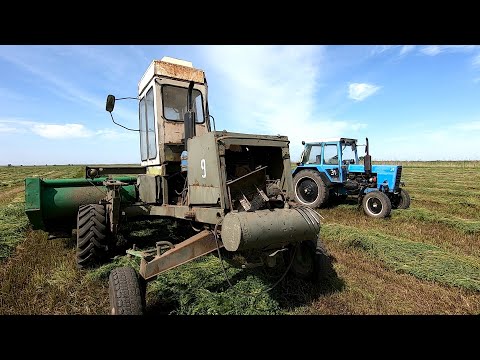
[(424, 261), (424, 215), (199, 287)]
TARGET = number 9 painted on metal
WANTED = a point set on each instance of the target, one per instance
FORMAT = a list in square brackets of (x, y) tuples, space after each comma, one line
[(204, 168)]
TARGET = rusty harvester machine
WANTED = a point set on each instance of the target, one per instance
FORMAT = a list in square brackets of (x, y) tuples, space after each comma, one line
[(236, 188)]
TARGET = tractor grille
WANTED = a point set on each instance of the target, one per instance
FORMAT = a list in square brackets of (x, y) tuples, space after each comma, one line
[(398, 177)]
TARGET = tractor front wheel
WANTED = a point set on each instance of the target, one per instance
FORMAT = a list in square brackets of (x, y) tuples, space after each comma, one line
[(376, 204), (126, 291), (402, 200), (92, 235), (310, 190)]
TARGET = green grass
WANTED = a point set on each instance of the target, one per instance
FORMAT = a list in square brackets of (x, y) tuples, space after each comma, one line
[(424, 261), (379, 270), (424, 215), (13, 224), (199, 287)]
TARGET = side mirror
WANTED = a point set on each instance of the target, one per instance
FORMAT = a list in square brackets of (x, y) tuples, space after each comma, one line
[(110, 103), (303, 142)]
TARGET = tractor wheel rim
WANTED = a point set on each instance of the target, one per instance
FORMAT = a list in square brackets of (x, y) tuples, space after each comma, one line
[(374, 205), (307, 190)]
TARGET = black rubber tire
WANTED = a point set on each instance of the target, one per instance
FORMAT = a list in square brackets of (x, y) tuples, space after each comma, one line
[(92, 235), (126, 291), (402, 201), (311, 261), (376, 204), (315, 184)]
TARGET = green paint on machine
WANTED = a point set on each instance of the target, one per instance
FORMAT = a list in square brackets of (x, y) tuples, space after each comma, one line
[(57, 199)]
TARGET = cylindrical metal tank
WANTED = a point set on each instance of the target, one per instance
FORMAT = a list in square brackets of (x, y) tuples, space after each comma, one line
[(49, 203), (266, 229)]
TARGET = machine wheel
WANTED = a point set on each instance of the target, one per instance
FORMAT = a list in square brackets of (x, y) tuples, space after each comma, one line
[(310, 190), (402, 200), (92, 235), (126, 291), (311, 260), (376, 204)]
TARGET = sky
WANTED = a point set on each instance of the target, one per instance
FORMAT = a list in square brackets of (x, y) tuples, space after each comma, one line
[(413, 102)]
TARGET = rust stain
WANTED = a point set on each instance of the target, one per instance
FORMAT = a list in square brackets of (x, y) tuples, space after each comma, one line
[(179, 71)]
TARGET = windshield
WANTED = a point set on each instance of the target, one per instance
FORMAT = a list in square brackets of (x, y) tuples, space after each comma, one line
[(175, 103), (313, 154), (348, 154)]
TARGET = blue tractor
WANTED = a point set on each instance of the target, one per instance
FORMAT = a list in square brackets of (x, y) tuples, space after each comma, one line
[(331, 168)]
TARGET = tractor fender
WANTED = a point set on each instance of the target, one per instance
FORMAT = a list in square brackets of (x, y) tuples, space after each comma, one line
[(324, 176)]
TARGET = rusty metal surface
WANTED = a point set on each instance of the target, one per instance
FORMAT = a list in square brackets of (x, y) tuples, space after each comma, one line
[(188, 250), (173, 132), (163, 68), (235, 137)]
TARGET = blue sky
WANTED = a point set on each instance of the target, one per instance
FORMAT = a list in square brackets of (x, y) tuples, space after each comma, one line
[(413, 102)]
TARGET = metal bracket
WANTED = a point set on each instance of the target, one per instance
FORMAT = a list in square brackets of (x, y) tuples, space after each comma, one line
[(188, 250)]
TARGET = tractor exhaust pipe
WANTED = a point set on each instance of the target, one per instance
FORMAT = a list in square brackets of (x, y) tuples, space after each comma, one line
[(367, 161)]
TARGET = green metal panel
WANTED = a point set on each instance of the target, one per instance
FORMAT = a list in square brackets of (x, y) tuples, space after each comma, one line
[(50, 200), (203, 170), (32, 202)]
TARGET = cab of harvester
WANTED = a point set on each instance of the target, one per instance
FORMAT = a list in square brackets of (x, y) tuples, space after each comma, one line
[(185, 163), (332, 167)]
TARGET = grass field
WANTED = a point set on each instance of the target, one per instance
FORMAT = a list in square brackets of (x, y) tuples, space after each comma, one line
[(424, 260)]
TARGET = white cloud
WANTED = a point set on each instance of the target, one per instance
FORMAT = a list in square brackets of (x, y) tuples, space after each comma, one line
[(468, 126), (62, 131), (406, 49), (7, 129), (379, 49), (53, 131), (476, 60), (433, 50), (360, 91), (271, 90)]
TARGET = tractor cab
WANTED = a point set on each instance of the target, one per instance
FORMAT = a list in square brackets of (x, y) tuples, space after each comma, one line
[(334, 155)]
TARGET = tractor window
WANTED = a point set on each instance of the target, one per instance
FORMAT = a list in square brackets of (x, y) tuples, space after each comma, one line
[(330, 154), (151, 138), (315, 154), (143, 130), (348, 154), (148, 146), (175, 103)]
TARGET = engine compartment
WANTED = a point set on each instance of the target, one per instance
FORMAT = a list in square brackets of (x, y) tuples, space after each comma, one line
[(253, 175)]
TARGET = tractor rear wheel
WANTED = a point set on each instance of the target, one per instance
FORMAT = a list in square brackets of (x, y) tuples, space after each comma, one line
[(376, 204), (402, 201), (126, 291), (310, 190), (92, 235), (311, 261)]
